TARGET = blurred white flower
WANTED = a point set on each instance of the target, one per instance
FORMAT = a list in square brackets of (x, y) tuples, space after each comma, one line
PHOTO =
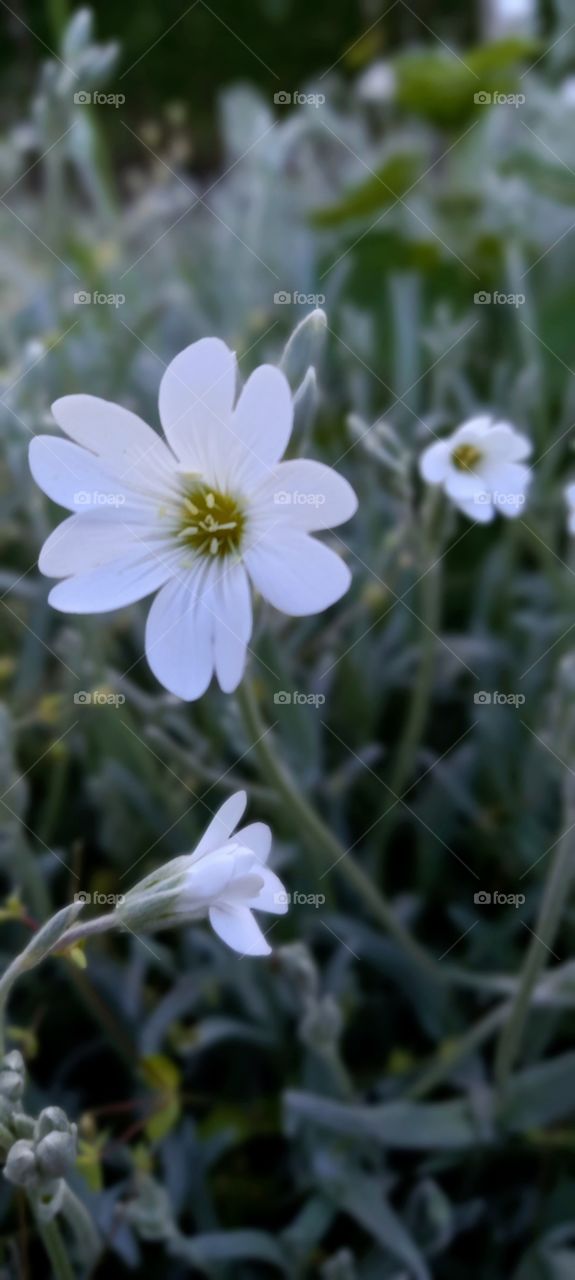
[(378, 83), (225, 878), (194, 517), (510, 17), (480, 468), (570, 496)]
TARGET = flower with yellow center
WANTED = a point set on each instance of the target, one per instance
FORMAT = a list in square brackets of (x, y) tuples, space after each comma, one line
[(195, 518), (481, 468)]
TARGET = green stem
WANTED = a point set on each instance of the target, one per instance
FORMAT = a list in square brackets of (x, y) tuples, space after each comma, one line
[(53, 1242), (318, 837), (545, 932), (80, 1221), (429, 614)]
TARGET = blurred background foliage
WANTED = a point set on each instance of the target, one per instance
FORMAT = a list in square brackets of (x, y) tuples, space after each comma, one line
[(333, 1112)]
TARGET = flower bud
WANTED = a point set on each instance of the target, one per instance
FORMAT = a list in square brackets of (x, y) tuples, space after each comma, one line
[(56, 1154), (56, 1142), (12, 1076), (20, 1167)]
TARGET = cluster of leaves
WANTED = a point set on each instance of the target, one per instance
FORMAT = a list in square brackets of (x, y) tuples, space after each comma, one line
[(331, 1112)]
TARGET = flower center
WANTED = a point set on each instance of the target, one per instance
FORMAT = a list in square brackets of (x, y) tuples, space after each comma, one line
[(466, 457), (212, 523)]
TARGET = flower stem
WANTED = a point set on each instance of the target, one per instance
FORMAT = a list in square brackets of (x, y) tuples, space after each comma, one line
[(318, 837), (53, 1242), (557, 885), (76, 1214)]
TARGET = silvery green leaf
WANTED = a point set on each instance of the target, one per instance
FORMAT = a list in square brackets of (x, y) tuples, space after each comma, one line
[(230, 1246), (304, 347), (49, 935), (305, 405), (408, 1126), (363, 1199)]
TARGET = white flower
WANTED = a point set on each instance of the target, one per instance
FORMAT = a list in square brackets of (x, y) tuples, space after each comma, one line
[(480, 468), (225, 878), (196, 517), (570, 496)]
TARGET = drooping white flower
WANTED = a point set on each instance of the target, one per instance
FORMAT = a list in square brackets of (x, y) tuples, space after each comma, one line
[(481, 468), (225, 879), (195, 518)]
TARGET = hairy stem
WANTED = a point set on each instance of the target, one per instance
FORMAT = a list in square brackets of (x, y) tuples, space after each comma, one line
[(55, 1247), (318, 837)]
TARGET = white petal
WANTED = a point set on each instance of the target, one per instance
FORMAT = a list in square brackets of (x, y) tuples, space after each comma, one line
[(306, 495), (196, 401), (570, 494), (76, 479), (296, 573), (464, 485), (272, 896), (257, 837), (507, 444), (475, 429), (481, 512), (180, 635), (434, 462), (206, 878), (119, 437), (92, 539), (509, 479), (125, 580), (233, 624), (236, 926), (262, 421), (223, 823)]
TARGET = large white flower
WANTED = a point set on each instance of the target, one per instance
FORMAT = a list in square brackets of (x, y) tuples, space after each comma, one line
[(194, 517), (225, 878), (481, 468)]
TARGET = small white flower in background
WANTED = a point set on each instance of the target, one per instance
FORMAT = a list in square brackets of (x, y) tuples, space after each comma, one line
[(195, 518), (570, 496), (481, 468), (225, 879)]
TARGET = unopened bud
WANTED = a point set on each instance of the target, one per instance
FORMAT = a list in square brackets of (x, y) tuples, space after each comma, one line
[(20, 1167), (56, 1154), (12, 1076)]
